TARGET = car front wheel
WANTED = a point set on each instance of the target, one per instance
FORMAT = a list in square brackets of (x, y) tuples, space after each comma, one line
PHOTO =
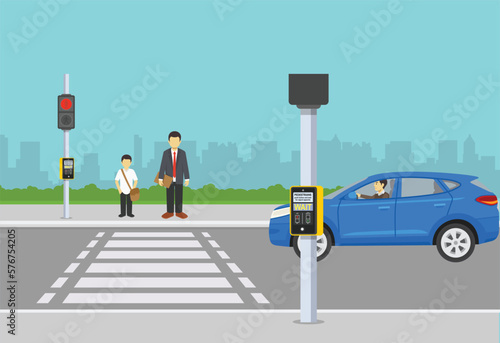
[(455, 242), (324, 244)]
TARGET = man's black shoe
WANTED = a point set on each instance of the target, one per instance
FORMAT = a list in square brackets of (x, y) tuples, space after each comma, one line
[(121, 215), (131, 215)]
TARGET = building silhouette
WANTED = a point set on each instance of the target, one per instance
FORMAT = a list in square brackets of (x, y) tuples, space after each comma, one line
[(470, 157), (27, 168), (4, 162), (90, 173)]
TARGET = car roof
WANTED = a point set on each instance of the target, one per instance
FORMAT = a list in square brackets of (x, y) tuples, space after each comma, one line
[(422, 174)]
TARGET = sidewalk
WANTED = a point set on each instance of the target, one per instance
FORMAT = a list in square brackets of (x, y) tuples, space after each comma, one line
[(248, 327), (145, 216)]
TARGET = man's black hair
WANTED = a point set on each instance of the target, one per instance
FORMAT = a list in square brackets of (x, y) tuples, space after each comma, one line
[(127, 157), (174, 134), (384, 183)]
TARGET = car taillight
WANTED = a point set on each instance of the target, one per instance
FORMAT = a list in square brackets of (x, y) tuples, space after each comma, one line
[(488, 200)]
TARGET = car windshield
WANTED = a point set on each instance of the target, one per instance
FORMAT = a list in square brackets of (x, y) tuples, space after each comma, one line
[(338, 191)]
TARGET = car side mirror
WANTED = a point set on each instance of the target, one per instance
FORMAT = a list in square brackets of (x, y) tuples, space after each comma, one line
[(352, 196)]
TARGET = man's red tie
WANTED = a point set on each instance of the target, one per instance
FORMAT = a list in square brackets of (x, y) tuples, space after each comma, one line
[(174, 163)]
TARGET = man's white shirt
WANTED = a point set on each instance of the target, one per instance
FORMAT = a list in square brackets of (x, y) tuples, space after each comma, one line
[(381, 192), (131, 177)]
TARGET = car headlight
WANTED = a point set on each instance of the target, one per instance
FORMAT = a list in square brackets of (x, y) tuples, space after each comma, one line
[(281, 212)]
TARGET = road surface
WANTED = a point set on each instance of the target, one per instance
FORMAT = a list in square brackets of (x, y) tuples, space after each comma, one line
[(234, 268)]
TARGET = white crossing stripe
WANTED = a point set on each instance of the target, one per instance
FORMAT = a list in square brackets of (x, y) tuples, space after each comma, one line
[(92, 244), (153, 268), (260, 298), (82, 255), (234, 268), (154, 298), (154, 244), (153, 282), (59, 282), (223, 254), (72, 267), (246, 282), (100, 234), (46, 298), (153, 234), (206, 234), (153, 254), (214, 244)]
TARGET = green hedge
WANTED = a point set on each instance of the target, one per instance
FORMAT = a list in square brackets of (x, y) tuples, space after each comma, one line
[(90, 194)]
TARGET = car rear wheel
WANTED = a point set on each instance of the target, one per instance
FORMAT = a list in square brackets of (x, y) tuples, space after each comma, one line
[(324, 242), (455, 242)]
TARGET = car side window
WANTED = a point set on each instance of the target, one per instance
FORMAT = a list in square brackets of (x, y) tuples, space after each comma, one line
[(366, 189), (451, 184), (412, 187), (369, 191)]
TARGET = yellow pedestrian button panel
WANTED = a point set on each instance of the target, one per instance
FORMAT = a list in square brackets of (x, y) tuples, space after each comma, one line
[(66, 168), (306, 215)]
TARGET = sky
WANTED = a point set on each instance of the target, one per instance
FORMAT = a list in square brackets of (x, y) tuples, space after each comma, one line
[(218, 71)]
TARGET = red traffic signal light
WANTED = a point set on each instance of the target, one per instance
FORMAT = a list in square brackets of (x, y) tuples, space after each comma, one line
[(66, 112), (66, 103)]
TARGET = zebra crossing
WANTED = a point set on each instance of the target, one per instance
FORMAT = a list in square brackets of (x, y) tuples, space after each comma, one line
[(117, 269)]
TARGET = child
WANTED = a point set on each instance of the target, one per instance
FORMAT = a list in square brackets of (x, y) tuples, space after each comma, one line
[(123, 188)]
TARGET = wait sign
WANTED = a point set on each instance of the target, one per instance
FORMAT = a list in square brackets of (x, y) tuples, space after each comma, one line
[(306, 215)]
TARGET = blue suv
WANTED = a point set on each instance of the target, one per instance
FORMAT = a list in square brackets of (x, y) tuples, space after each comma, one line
[(452, 211)]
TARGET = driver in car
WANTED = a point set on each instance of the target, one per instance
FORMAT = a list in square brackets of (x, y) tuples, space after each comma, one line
[(379, 188)]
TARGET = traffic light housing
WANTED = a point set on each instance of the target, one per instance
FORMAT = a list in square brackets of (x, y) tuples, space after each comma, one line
[(308, 90), (66, 112)]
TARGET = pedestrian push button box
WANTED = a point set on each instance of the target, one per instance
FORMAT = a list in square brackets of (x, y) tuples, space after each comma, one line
[(306, 210), (66, 168)]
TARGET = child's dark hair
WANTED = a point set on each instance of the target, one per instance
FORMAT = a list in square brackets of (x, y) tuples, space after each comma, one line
[(127, 157)]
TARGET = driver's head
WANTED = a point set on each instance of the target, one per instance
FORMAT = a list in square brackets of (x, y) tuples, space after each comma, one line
[(379, 185)]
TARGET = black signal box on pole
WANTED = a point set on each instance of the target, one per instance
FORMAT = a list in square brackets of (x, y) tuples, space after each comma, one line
[(308, 90), (66, 112)]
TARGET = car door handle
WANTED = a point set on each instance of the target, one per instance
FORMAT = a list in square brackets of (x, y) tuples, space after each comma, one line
[(439, 205), (384, 207)]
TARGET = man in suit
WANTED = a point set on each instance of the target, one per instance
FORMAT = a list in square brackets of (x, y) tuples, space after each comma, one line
[(379, 188), (174, 164)]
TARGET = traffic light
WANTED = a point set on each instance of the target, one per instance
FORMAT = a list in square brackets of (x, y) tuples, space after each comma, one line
[(66, 112)]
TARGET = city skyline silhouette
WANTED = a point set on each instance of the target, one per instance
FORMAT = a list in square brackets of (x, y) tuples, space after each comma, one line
[(339, 163)]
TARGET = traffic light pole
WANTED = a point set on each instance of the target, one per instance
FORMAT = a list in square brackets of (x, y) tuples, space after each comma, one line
[(66, 154), (308, 244)]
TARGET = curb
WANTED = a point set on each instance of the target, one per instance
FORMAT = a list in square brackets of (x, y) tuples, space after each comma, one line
[(131, 223)]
